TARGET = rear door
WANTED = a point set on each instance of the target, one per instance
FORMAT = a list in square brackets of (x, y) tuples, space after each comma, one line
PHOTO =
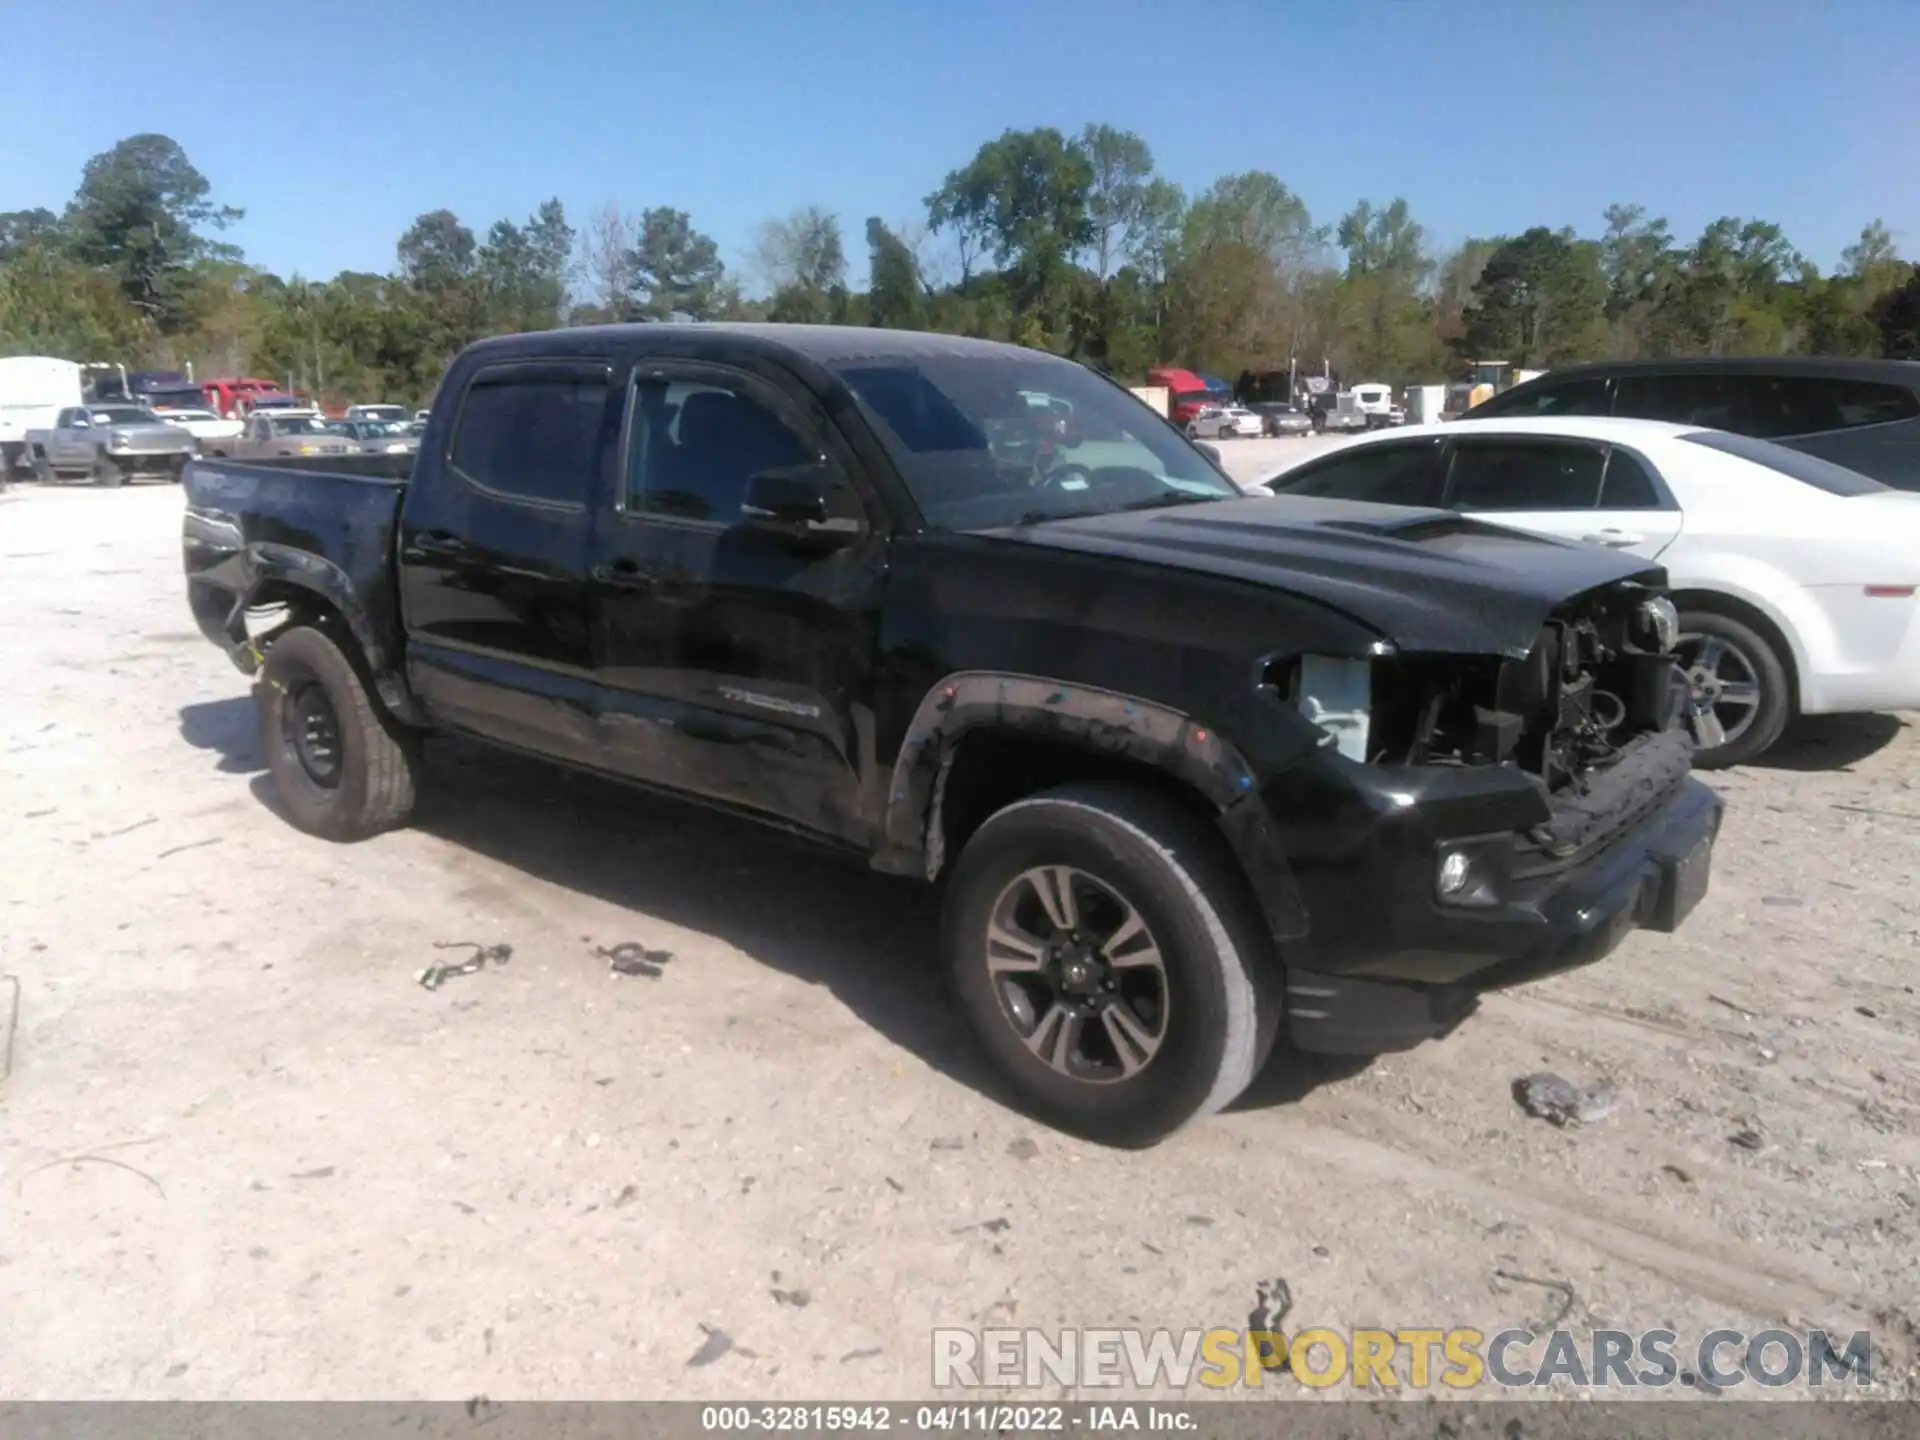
[(733, 664), (493, 555), (1574, 489), (1866, 425)]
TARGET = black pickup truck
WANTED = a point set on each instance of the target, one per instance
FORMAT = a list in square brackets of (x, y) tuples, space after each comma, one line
[(1191, 766)]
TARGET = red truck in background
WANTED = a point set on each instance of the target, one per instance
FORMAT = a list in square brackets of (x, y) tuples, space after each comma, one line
[(1187, 394), (233, 396)]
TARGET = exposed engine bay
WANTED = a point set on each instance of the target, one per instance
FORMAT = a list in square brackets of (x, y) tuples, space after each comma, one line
[(1600, 674)]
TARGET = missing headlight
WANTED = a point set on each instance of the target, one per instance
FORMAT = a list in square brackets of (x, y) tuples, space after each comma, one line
[(1337, 695)]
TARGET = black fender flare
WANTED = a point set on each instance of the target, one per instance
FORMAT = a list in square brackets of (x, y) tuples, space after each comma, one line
[(1104, 721), (271, 564)]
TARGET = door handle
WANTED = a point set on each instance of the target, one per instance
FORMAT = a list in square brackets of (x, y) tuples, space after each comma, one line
[(622, 574), (438, 542), (1615, 539)]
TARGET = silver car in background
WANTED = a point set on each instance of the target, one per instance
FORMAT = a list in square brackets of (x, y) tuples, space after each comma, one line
[(109, 445), (377, 437), (272, 433)]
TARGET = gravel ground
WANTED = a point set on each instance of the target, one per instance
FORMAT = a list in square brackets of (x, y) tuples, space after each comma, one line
[(244, 1154)]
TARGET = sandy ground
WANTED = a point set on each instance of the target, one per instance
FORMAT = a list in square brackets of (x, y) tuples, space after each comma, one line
[(244, 1154)]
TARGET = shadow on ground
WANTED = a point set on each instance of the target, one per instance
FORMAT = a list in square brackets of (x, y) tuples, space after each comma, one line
[(870, 939), (1831, 742)]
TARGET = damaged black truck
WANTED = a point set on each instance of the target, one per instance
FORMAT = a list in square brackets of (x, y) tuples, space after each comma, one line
[(1193, 768)]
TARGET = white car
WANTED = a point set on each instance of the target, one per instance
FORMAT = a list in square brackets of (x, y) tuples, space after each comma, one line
[(205, 426), (1220, 422), (1795, 579)]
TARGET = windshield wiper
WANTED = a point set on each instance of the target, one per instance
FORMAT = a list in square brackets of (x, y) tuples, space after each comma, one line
[(1172, 497)]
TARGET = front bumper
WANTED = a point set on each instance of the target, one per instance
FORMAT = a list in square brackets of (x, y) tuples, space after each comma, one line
[(1386, 963)]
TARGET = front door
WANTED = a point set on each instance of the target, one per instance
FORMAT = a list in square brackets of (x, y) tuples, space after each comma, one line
[(1574, 489), (73, 440), (732, 663)]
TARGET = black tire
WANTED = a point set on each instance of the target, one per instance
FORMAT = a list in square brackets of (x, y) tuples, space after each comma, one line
[(43, 470), (1220, 1002), (106, 474), (371, 787), (1745, 648)]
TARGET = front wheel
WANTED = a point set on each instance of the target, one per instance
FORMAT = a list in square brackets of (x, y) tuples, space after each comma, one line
[(105, 473), (1109, 960), (343, 771), (1740, 695)]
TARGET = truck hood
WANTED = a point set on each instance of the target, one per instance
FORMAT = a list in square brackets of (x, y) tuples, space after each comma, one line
[(1428, 580), (157, 436)]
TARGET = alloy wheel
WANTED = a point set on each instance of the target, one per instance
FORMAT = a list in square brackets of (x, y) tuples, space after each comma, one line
[(1725, 686), (1078, 974)]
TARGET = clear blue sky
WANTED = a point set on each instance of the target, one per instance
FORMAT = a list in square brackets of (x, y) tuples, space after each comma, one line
[(335, 123)]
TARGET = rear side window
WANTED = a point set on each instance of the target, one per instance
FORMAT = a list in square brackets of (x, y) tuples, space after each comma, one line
[(533, 434), (1685, 399), (1525, 475), (1566, 397), (1807, 469), (1627, 485), (1379, 474), (1783, 405)]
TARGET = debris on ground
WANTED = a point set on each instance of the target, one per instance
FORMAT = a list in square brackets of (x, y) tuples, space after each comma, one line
[(949, 1142), (630, 957), (1567, 1298), (9, 1022), (798, 1299), (1022, 1149), (717, 1343), (1677, 1173), (434, 976), (1747, 1139), (1272, 1300), (859, 1355), (1548, 1097)]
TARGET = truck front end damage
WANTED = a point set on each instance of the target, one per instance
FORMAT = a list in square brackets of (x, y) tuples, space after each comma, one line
[(1472, 821)]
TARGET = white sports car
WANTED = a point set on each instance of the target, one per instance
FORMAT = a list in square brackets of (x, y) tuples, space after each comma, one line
[(1795, 579)]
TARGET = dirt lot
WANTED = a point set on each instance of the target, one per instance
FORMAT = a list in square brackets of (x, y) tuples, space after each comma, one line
[(301, 1174)]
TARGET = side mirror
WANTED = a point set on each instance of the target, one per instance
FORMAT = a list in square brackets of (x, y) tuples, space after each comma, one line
[(791, 501)]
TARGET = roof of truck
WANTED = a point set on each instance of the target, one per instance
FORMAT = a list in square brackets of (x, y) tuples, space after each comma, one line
[(832, 345)]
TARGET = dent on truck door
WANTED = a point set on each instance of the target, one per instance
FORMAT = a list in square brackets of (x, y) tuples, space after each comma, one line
[(732, 664), (493, 557)]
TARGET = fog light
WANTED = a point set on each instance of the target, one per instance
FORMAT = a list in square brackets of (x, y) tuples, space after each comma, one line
[(1455, 871)]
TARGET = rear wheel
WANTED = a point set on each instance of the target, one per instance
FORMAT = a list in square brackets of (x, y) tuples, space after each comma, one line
[(1741, 698), (43, 470), (1109, 960), (343, 770)]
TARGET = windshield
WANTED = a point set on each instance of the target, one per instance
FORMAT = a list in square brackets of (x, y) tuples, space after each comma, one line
[(978, 452), (381, 429), (299, 425), (120, 415), (382, 413), (1807, 469)]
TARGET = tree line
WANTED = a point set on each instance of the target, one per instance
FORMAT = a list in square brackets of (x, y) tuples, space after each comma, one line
[(1069, 243)]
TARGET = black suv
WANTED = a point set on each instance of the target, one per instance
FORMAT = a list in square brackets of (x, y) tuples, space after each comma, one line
[(1193, 768), (1863, 414)]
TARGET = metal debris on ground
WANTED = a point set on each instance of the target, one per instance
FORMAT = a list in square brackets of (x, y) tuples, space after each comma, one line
[(798, 1299), (434, 976), (1567, 1298), (9, 1021), (632, 958), (1747, 1139), (1548, 1097), (717, 1343), (1272, 1301)]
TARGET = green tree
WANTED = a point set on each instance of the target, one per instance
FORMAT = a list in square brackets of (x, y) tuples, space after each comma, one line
[(1383, 242), (52, 305), (677, 270), (1235, 299), (803, 261), (140, 215), (896, 298), (1539, 300), (1120, 170), (1025, 195), (1896, 315), (19, 228)]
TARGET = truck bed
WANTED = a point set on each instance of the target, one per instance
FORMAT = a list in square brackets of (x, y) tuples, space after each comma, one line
[(252, 527)]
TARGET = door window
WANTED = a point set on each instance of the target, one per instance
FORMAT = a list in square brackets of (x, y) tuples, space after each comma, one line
[(1568, 397), (1684, 399), (1783, 405), (533, 433), (695, 445), (1381, 474), (1526, 475)]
